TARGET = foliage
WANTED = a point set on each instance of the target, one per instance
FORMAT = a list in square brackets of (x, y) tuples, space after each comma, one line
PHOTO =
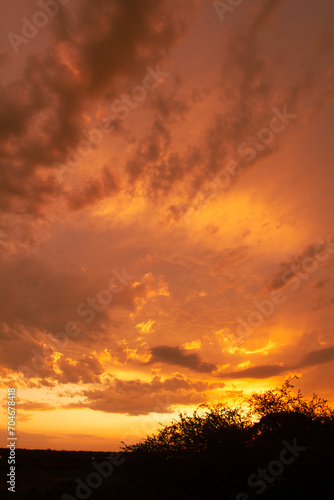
[(195, 433), (213, 452), (282, 399), (198, 432)]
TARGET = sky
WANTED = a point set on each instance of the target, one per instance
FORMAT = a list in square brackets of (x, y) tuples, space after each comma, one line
[(166, 213)]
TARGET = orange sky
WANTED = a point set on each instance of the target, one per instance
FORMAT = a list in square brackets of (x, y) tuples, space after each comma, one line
[(166, 214)]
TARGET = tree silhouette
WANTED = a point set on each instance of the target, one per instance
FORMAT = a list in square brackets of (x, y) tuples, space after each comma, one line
[(213, 452), (197, 433), (282, 400)]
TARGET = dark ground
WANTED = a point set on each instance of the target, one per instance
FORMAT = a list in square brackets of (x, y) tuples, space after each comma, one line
[(47, 474)]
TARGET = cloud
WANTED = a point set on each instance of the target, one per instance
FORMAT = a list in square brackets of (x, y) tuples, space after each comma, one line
[(135, 397), (145, 327), (320, 283), (37, 296), (34, 406), (198, 278), (248, 93), (290, 268), (85, 370), (40, 302), (313, 358), (265, 11), (230, 258), (247, 99), (179, 357), (317, 357), (85, 54), (94, 190), (321, 305), (24, 355), (40, 296), (262, 371), (154, 161), (16, 346)]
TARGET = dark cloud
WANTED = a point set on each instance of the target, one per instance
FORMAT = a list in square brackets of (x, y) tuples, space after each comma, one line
[(171, 106), (86, 370), (229, 258), (135, 397), (179, 357), (313, 358), (16, 346), (323, 304), (84, 55), (97, 50), (48, 372), (247, 99), (317, 357), (37, 296), (265, 12), (94, 190), (154, 159), (43, 120), (248, 95), (290, 268), (34, 406), (148, 152), (263, 371), (320, 283)]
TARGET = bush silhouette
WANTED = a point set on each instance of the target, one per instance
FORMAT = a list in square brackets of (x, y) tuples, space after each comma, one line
[(197, 433), (282, 400), (213, 452)]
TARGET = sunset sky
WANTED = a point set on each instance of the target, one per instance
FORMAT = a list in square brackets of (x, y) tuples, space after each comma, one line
[(166, 210)]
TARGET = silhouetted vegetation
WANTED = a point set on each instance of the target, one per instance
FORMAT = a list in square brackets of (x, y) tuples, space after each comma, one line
[(218, 452), (212, 453)]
